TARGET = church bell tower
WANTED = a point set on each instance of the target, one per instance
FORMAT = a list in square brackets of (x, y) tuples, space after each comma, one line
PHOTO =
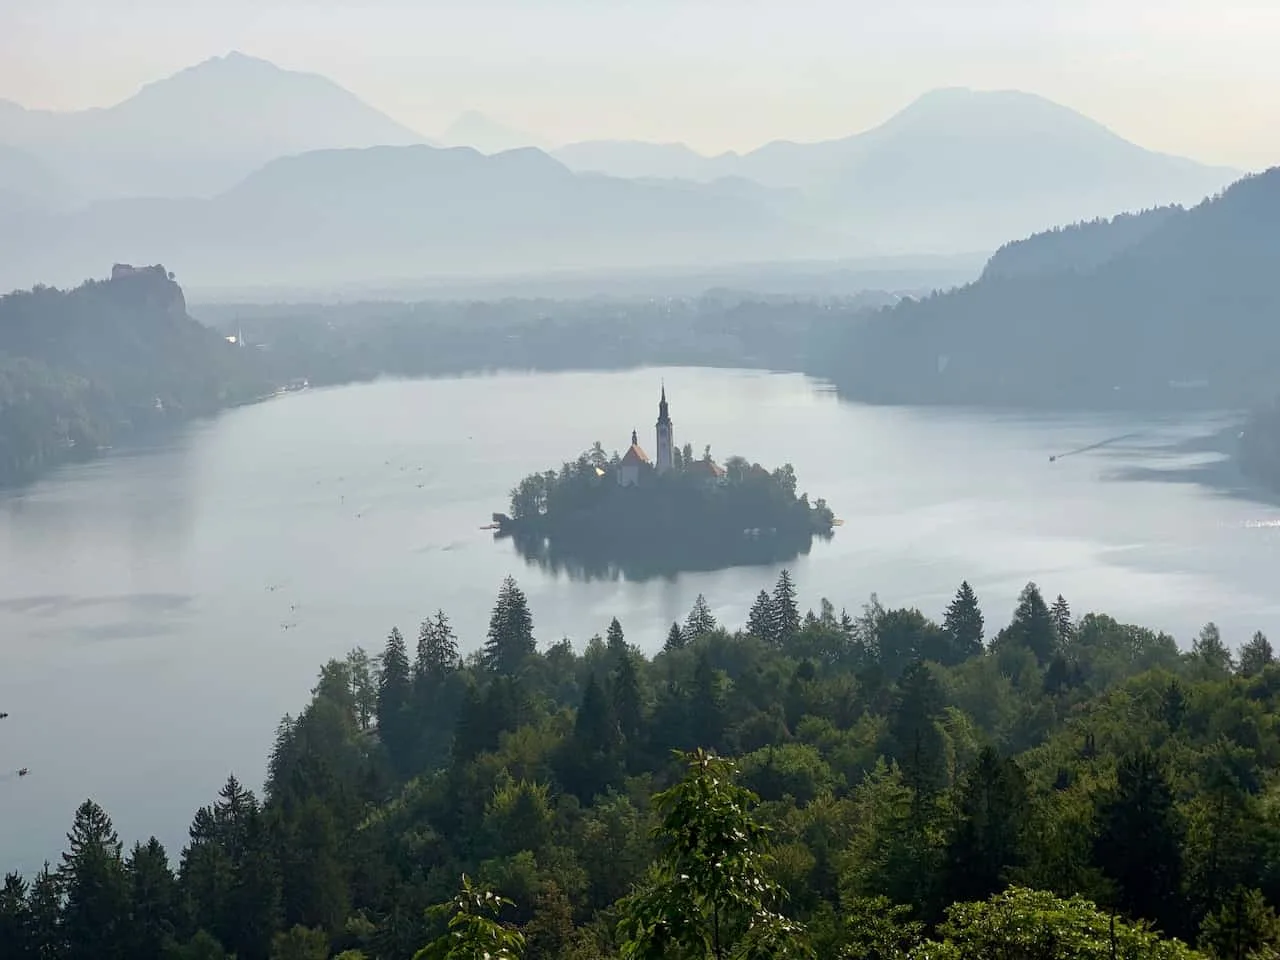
[(666, 438)]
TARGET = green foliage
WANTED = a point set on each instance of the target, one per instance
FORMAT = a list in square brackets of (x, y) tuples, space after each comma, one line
[(510, 641), (902, 795), (300, 943), (1034, 925), (709, 896), (473, 931), (87, 368), (589, 516)]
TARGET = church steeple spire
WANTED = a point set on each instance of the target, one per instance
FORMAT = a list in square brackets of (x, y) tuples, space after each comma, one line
[(666, 436)]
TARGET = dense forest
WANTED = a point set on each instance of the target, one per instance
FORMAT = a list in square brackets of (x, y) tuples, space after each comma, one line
[(340, 343), (1168, 310), (824, 785), (86, 368), (697, 516)]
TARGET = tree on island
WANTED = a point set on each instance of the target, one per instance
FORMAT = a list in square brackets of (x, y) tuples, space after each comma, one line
[(510, 640)]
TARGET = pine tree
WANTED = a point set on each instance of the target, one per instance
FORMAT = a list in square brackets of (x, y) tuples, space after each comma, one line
[(1032, 626), (963, 624), (761, 619), (437, 650), (16, 938), (469, 730), (706, 709), (1209, 649), (786, 615), (394, 692), (364, 686), (510, 641), (1139, 841), (314, 884), (918, 743), (44, 906), (988, 837), (675, 639), (1062, 623), (95, 915), (615, 642), (1256, 655), (700, 621), (625, 690), (154, 894), (592, 763)]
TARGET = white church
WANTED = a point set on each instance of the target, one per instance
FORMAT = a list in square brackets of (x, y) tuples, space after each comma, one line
[(635, 461)]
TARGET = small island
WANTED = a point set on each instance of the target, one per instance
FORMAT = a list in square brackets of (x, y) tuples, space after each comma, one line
[(601, 515)]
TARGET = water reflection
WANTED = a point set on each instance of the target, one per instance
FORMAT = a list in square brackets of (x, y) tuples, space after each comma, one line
[(580, 562)]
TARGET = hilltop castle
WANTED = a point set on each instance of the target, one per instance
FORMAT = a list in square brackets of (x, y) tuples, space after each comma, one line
[(635, 460)]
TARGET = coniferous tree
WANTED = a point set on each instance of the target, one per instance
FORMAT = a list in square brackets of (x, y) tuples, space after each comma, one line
[(917, 742), (1212, 653), (706, 707), (16, 939), (700, 621), (1139, 841), (314, 882), (593, 761), (395, 690), (615, 642), (1033, 627), (95, 914), (44, 906), (786, 615), (627, 708), (761, 619), (963, 624), (437, 651), (988, 837), (1256, 655), (469, 739), (154, 896), (510, 641), (1061, 614), (675, 639), (364, 686)]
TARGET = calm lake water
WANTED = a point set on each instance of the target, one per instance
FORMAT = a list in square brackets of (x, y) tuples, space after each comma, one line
[(160, 610)]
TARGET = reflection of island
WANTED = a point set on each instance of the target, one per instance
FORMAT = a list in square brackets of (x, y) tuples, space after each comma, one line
[(602, 516)]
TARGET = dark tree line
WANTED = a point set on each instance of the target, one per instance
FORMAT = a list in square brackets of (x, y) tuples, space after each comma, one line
[(897, 788)]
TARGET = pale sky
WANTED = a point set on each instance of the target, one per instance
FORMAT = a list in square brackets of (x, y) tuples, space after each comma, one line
[(1193, 77)]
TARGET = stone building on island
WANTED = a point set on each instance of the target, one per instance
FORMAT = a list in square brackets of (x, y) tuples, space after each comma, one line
[(636, 464)]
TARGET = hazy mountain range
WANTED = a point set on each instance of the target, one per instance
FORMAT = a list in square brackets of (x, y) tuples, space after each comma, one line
[(237, 172)]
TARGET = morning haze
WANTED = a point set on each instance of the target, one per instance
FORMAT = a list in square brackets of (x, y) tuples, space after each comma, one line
[(733, 479)]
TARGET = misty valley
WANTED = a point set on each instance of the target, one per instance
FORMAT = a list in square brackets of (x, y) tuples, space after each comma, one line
[(428, 548)]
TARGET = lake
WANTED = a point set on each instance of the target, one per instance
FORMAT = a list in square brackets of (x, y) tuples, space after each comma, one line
[(161, 609)]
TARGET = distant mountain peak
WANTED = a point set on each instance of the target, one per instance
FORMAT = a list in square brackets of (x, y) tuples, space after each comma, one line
[(482, 132)]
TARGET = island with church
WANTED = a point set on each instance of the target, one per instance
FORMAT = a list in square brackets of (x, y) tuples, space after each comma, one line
[(637, 515)]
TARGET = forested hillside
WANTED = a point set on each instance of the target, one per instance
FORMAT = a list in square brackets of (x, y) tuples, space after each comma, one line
[(1099, 316), (82, 369), (1060, 787)]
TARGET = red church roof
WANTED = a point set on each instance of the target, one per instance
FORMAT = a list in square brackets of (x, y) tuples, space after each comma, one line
[(708, 467), (634, 455)]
